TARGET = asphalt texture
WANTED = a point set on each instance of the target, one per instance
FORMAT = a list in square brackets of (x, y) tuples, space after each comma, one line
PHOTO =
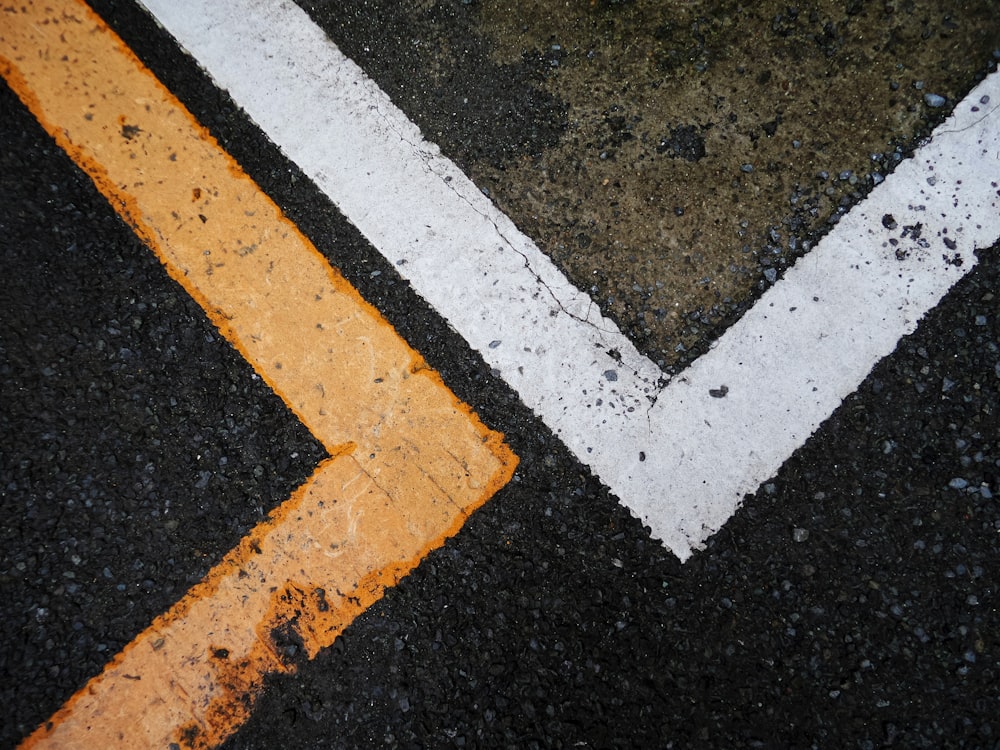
[(138, 446), (851, 602)]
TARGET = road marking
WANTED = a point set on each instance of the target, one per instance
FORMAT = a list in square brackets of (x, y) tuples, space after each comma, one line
[(810, 340), (679, 457), (408, 462)]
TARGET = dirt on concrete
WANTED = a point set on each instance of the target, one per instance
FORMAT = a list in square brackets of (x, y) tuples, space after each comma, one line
[(708, 144)]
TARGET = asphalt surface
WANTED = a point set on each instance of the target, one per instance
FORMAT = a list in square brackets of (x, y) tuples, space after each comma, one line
[(851, 602)]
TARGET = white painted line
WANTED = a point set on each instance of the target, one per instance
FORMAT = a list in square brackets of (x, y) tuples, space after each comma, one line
[(813, 337), (679, 458)]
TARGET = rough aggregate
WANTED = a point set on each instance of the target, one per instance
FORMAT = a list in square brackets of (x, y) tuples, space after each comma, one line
[(850, 603), (136, 447)]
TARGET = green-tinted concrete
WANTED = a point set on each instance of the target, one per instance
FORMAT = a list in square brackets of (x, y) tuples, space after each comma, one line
[(698, 135)]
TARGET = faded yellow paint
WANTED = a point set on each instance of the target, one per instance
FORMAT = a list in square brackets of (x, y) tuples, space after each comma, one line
[(326, 554), (409, 461)]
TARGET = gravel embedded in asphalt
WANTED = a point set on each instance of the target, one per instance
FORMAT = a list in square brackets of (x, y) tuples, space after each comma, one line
[(850, 603)]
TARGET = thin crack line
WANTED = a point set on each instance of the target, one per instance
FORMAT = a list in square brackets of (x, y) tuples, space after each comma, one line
[(426, 157)]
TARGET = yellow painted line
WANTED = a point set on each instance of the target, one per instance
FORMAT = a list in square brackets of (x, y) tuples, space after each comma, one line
[(408, 462)]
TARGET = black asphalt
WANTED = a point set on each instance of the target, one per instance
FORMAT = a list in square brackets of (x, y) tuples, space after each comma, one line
[(850, 603)]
